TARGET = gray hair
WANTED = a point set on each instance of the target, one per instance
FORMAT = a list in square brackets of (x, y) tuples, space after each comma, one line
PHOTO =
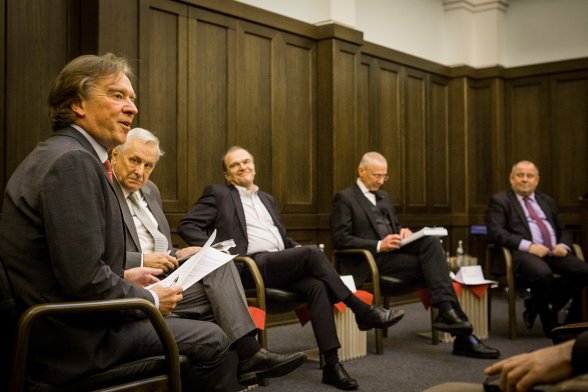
[(370, 157), (144, 136), (524, 162)]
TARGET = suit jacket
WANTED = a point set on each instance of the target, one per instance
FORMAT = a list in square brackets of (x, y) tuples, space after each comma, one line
[(352, 220), (220, 208), (507, 224), (153, 199), (62, 239), (353, 226)]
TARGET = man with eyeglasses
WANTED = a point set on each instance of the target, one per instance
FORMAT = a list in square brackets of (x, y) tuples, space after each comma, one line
[(241, 211), (363, 217)]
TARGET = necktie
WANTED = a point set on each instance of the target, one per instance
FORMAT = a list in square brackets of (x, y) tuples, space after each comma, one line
[(380, 203), (108, 169), (160, 240), (535, 216)]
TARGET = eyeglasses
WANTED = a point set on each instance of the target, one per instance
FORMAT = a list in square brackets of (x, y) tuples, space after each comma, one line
[(380, 176)]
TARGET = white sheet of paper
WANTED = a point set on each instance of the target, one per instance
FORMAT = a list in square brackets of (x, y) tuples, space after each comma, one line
[(197, 266), (349, 282), (471, 275)]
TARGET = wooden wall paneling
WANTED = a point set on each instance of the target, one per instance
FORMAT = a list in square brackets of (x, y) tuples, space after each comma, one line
[(527, 126), (346, 152), (254, 99), (31, 29), (415, 135), (569, 138), (3, 145), (211, 97), (480, 144), (163, 92), (437, 145), (294, 141), (118, 30)]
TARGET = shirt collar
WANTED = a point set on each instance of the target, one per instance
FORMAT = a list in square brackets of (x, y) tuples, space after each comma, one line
[(530, 197), (246, 192), (100, 150), (362, 186)]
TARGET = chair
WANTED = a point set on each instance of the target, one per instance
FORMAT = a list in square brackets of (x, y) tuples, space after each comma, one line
[(380, 285), (270, 300), (508, 274), (148, 374)]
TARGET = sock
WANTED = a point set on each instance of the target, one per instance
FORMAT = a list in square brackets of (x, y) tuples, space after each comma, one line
[(246, 346), (331, 357), (356, 305)]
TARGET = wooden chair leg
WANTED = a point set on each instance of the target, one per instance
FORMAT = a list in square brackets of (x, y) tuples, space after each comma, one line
[(379, 341), (434, 332)]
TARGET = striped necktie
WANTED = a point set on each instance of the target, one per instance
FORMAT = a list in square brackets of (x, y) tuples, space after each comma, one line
[(161, 244)]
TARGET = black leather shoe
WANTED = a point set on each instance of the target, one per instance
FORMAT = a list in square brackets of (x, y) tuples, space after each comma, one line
[(548, 318), (337, 376), (449, 321), (471, 346), (265, 363), (378, 317), (530, 313)]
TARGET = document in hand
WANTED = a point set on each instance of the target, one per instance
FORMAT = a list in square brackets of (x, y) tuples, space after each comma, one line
[(197, 266), (425, 231)]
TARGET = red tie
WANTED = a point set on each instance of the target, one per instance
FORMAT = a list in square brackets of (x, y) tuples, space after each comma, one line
[(108, 169), (535, 216)]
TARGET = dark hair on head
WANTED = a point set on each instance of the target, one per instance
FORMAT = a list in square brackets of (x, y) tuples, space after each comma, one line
[(75, 81)]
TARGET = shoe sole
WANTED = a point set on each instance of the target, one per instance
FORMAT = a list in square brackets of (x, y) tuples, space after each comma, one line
[(394, 321), (350, 388)]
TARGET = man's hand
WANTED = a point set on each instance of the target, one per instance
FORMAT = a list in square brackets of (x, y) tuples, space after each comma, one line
[(538, 250), (168, 297), (560, 251), (545, 366), (142, 276), (405, 232), (190, 250), (160, 260), (390, 242)]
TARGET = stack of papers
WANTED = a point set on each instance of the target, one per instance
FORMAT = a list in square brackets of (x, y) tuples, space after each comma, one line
[(471, 275), (425, 231), (197, 266)]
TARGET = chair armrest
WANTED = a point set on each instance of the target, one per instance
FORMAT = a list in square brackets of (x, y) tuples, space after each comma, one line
[(257, 279), (362, 255), (578, 251), (34, 313), (567, 332)]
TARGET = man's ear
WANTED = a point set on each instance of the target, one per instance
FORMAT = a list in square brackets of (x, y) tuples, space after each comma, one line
[(78, 107)]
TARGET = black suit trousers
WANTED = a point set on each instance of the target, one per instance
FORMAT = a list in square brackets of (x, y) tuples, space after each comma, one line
[(308, 271), (421, 263)]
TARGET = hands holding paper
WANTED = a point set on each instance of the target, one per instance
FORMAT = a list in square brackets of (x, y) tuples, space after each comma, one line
[(161, 260), (392, 241)]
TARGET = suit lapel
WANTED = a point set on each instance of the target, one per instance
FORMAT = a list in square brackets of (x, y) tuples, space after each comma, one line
[(239, 208), (126, 213)]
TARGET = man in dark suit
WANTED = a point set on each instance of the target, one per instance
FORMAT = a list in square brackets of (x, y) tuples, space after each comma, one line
[(219, 296), (62, 238), (363, 217), (239, 210), (527, 222)]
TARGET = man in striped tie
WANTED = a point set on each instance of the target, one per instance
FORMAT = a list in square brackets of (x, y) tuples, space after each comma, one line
[(527, 222)]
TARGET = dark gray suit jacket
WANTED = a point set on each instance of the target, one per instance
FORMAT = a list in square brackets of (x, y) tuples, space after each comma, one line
[(153, 199), (62, 239)]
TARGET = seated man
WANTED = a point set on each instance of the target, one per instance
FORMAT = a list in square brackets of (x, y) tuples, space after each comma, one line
[(242, 212), (527, 222), (62, 239), (217, 297), (524, 371), (363, 217)]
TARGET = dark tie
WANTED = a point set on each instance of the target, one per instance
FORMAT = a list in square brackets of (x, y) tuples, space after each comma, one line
[(160, 240), (108, 169), (535, 216)]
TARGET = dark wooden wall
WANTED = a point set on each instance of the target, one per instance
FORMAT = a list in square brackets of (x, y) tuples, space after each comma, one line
[(307, 101)]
